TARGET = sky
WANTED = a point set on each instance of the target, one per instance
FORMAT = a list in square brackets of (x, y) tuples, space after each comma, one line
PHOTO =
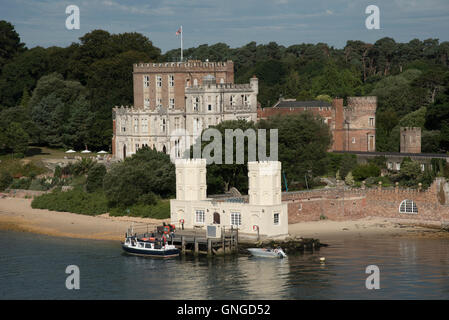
[(234, 22)]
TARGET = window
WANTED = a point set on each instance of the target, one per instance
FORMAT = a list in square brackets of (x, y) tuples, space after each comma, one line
[(177, 123), (146, 81), (209, 107), (136, 125), (123, 129), (423, 167), (172, 103), (159, 102), (408, 206), (146, 103), (221, 80), (159, 81), (163, 125), (390, 165), (199, 216), (276, 218), (195, 82), (171, 80), (177, 149), (371, 122), (236, 219), (398, 166), (232, 100), (144, 125), (196, 104), (353, 140)]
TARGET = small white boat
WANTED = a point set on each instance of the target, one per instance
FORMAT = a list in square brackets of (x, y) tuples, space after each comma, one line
[(268, 253)]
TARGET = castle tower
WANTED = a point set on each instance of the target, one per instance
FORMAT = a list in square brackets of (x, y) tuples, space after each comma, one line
[(264, 182), (410, 140), (191, 179)]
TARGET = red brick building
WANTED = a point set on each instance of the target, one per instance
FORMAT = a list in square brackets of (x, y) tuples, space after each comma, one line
[(353, 126)]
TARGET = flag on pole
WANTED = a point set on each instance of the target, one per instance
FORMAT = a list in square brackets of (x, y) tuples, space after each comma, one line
[(179, 32)]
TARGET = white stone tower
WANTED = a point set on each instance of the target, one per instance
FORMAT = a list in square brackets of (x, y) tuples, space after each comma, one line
[(191, 179), (264, 182)]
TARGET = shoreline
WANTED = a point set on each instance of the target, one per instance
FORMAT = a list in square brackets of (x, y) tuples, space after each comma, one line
[(16, 214)]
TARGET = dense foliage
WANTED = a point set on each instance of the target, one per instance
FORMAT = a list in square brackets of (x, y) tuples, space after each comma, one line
[(302, 143), (56, 95)]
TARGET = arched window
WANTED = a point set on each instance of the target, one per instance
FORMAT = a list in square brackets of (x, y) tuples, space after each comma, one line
[(408, 206)]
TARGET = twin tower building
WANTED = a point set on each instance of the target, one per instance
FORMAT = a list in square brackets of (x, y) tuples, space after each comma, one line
[(262, 212)]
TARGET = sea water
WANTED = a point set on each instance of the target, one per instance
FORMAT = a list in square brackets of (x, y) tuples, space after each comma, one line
[(34, 267)]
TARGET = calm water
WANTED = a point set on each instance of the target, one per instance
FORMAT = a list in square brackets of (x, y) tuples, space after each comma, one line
[(33, 267)]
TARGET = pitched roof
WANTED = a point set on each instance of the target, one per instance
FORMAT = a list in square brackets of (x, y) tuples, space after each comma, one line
[(301, 104)]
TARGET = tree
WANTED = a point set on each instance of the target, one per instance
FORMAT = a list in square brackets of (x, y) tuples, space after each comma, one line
[(17, 138), (139, 178), (363, 171), (221, 177), (303, 142), (5, 180), (10, 44), (95, 177)]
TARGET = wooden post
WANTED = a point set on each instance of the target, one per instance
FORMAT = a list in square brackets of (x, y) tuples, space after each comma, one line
[(209, 247), (183, 245), (223, 240), (196, 246), (237, 239)]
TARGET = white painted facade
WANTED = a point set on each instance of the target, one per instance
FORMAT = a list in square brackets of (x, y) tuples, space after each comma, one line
[(264, 210)]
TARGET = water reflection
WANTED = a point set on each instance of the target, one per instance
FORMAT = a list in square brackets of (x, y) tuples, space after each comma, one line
[(33, 267)]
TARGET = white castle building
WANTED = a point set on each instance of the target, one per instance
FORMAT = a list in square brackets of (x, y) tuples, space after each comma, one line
[(174, 102), (264, 212)]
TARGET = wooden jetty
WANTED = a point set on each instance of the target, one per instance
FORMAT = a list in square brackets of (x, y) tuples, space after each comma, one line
[(196, 242)]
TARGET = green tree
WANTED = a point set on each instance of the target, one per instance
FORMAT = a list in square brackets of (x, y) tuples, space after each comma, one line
[(5, 180), (10, 44), (136, 179), (17, 138), (95, 177)]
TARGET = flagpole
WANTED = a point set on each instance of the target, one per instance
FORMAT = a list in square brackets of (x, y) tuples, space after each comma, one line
[(181, 43)]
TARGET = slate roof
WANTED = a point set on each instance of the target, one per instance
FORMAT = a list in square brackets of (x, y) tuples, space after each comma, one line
[(302, 104)]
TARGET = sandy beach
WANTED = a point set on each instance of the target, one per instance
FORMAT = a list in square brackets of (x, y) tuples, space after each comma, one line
[(17, 214)]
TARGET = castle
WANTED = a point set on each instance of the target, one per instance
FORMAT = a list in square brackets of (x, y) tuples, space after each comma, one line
[(175, 101), (353, 127)]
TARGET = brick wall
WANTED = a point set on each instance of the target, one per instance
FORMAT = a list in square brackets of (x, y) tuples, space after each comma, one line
[(353, 204)]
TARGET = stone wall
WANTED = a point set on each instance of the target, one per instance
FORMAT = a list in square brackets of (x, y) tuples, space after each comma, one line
[(349, 204)]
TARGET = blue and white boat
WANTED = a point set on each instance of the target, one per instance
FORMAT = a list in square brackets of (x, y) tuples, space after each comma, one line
[(150, 247)]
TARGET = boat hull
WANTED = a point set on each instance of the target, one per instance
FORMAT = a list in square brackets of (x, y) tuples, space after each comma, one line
[(264, 253), (152, 253)]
